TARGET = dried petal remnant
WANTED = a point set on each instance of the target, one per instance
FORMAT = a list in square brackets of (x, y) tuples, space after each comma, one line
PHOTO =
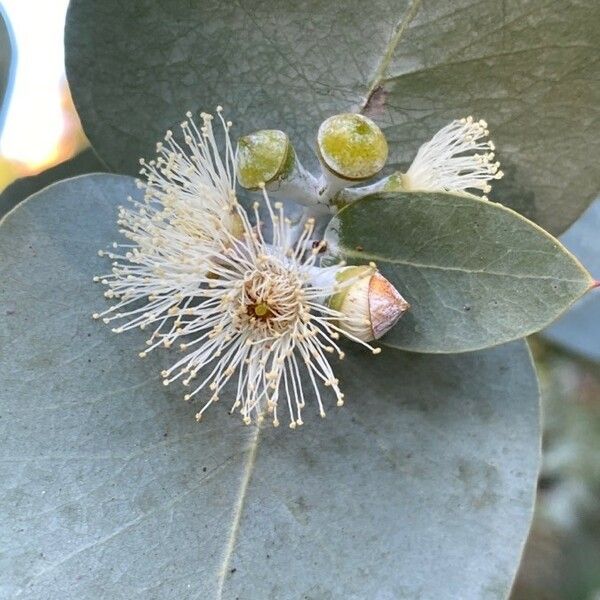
[(386, 305)]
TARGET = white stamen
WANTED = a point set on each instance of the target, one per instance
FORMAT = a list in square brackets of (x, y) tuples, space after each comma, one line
[(265, 320), (241, 309), (186, 214), (458, 159)]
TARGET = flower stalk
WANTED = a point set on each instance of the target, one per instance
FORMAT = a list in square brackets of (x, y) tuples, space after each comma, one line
[(268, 157)]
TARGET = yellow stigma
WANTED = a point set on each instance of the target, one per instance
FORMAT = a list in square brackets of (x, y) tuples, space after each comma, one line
[(261, 309), (352, 146)]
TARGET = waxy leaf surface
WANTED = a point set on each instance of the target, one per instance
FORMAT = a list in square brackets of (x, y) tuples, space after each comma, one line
[(421, 485), (531, 69), (475, 273), (579, 329)]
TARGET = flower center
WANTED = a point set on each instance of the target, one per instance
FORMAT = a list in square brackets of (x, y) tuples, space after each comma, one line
[(260, 310), (271, 297)]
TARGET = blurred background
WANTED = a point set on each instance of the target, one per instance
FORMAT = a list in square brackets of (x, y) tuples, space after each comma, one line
[(39, 127), (41, 141)]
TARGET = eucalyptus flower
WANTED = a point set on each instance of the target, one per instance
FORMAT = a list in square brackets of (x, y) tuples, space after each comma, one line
[(265, 321), (202, 277), (459, 158)]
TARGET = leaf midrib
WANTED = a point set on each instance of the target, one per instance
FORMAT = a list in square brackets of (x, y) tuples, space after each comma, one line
[(238, 511), (367, 255), (398, 32)]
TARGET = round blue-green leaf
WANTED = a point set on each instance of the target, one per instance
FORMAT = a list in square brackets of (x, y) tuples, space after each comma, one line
[(530, 68), (579, 330), (476, 273), (84, 162), (422, 485)]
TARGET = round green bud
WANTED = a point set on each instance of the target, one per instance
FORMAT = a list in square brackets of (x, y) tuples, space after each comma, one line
[(262, 157), (352, 146)]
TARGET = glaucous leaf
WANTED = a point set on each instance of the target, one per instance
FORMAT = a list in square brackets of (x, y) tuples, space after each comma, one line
[(422, 485), (476, 273), (579, 330), (84, 162), (135, 68)]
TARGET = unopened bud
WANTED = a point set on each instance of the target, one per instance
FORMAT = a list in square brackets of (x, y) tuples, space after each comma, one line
[(371, 304), (352, 147)]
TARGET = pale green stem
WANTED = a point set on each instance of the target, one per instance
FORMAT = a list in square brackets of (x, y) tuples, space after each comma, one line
[(299, 186), (346, 196)]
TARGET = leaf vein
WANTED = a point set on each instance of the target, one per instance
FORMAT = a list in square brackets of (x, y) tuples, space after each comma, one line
[(237, 512), (417, 265), (386, 59)]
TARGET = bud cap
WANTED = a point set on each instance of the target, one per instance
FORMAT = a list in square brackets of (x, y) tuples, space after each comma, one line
[(372, 303), (386, 305)]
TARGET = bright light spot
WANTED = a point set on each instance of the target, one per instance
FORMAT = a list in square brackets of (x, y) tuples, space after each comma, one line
[(34, 122)]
